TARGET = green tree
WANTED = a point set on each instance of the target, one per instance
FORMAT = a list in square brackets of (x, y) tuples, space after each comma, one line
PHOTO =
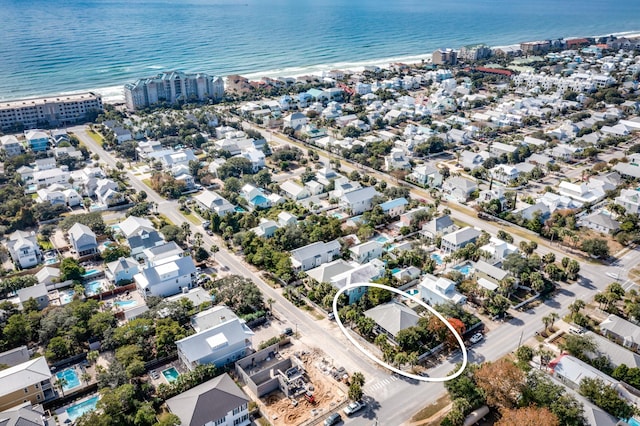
[(606, 397), (355, 392), (596, 247), (115, 252), (71, 270)]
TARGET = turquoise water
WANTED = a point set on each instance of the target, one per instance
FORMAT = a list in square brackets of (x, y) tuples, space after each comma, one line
[(70, 375), (51, 261), (126, 303), (79, 409), (633, 422), (382, 239), (94, 287), (465, 269), (258, 200), (240, 210), (171, 374), (396, 270), (90, 272), (413, 291), (56, 46), (437, 258), (66, 297)]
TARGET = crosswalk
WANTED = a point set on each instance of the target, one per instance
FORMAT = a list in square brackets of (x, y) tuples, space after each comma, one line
[(379, 384)]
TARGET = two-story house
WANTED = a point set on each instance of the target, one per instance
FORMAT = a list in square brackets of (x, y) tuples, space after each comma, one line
[(458, 239), (217, 402), (358, 201), (83, 239), (426, 175), (365, 252), (28, 381), (24, 250), (440, 290), (314, 255), (166, 276)]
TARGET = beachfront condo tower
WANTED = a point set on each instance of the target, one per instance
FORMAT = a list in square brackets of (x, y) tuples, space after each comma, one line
[(172, 87)]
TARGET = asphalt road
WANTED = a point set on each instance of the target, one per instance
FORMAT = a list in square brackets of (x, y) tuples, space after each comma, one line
[(393, 400)]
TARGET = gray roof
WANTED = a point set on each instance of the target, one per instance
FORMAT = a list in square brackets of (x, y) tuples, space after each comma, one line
[(438, 224), (617, 354), (34, 291), (185, 266), (82, 235), (490, 270), (326, 271), (23, 415), (603, 220), (15, 356), (628, 169), (207, 402), (122, 264), (462, 235), (311, 250), (462, 183), (362, 194), (145, 239), (621, 327), (211, 317), (393, 316), (23, 375)]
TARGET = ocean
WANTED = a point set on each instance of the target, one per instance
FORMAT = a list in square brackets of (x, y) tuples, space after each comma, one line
[(59, 46)]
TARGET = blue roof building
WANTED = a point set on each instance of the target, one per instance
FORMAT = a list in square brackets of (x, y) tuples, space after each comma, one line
[(394, 207)]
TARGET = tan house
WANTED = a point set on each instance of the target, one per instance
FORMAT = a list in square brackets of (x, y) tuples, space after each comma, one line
[(29, 381)]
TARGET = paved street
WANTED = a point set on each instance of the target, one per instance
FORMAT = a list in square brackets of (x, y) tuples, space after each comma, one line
[(393, 400)]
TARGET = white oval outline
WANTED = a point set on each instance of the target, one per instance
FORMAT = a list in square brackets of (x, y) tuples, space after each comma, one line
[(384, 364)]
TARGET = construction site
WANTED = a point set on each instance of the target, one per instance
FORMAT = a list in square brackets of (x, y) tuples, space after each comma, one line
[(293, 386)]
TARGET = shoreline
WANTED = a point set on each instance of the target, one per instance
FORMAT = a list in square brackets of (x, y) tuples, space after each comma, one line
[(115, 94)]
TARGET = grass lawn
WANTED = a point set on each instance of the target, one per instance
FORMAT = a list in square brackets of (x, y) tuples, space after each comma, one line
[(431, 410), (317, 315), (96, 137), (165, 218), (147, 182), (45, 244), (191, 217)]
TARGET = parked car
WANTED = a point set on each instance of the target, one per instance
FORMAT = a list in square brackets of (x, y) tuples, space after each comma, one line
[(354, 407), (577, 331), (476, 338), (333, 419), (287, 331), (331, 316)]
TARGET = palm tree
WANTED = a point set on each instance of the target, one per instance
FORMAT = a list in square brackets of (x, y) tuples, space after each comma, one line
[(576, 306), (546, 320), (554, 317), (61, 382), (93, 356), (214, 249), (186, 230), (270, 302), (86, 377), (544, 354)]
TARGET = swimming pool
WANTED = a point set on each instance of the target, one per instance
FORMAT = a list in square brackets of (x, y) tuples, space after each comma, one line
[(83, 407), (126, 303), (51, 261), (465, 269), (93, 288), (90, 272), (382, 239), (395, 270), (633, 422), (437, 258), (171, 374), (413, 292), (71, 378), (66, 296)]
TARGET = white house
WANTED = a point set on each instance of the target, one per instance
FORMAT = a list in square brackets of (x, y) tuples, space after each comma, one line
[(293, 190), (256, 156), (504, 173), (24, 250), (498, 249), (10, 145), (210, 200), (396, 160), (296, 121), (314, 254), (286, 219), (435, 291), (219, 345), (600, 222), (365, 252), (580, 192), (359, 200), (426, 175), (438, 227), (458, 239), (166, 277), (395, 207), (459, 188), (630, 200)]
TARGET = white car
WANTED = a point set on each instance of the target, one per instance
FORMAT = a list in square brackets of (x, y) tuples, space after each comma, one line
[(354, 407), (476, 338)]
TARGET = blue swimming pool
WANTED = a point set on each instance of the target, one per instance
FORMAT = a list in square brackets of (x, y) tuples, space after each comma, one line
[(66, 296), (90, 273), (382, 239), (93, 288), (81, 408), (71, 378), (437, 258), (171, 374), (395, 270), (51, 261), (240, 210), (633, 422), (413, 292), (465, 269), (126, 303)]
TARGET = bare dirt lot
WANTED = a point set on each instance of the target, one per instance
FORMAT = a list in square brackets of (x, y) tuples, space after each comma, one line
[(327, 392)]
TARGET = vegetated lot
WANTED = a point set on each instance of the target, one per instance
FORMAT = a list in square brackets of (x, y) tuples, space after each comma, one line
[(327, 392)]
